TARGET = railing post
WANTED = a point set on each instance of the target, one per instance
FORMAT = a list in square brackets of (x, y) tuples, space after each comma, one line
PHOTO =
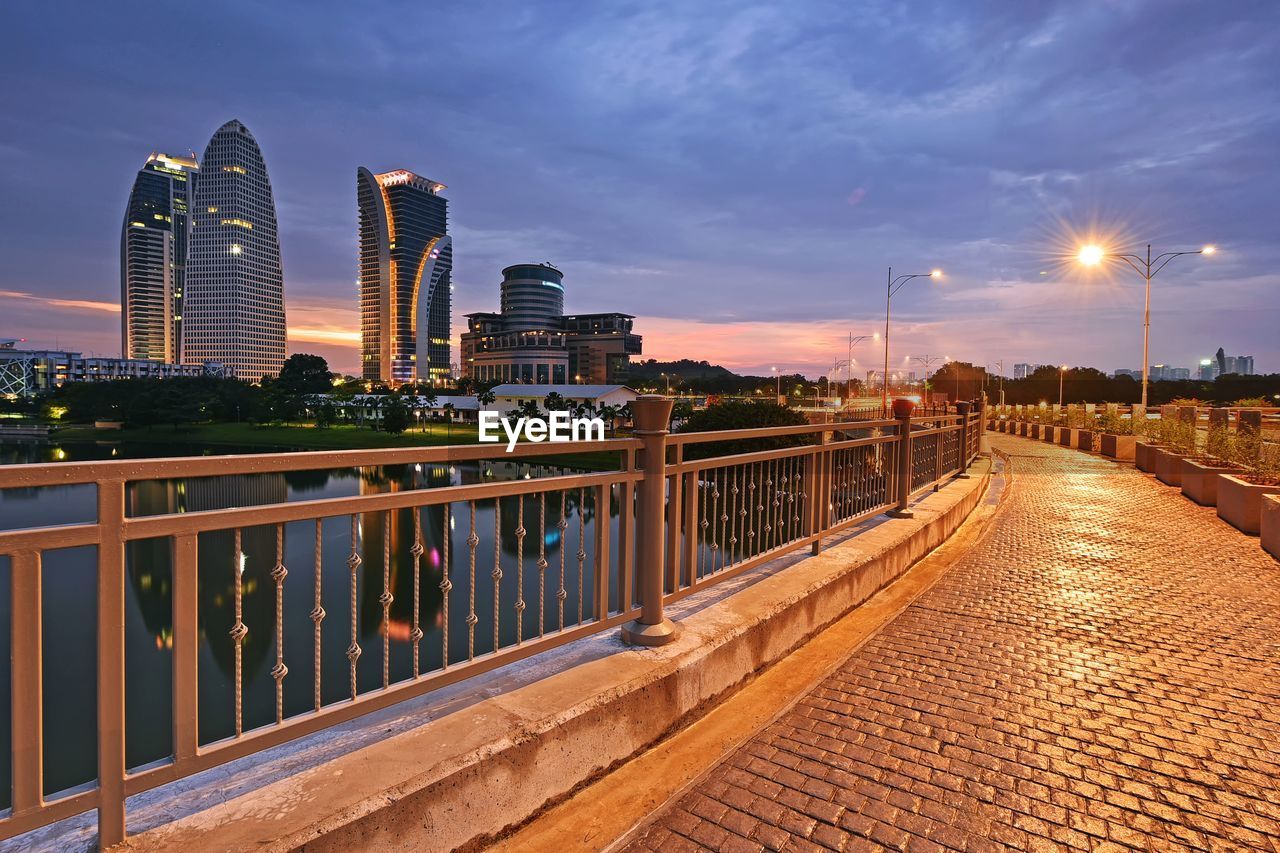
[(962, 458), (651, 413), (111, 760), (819, 489), (904, 466)]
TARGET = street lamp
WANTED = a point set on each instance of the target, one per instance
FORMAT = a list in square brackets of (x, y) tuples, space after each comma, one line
[(1062, 372), (926, 361), (848, 378), (895, 284), (1093, 255), (778, 376)]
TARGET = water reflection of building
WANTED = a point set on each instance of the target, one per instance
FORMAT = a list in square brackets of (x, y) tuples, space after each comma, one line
[(150, 563)]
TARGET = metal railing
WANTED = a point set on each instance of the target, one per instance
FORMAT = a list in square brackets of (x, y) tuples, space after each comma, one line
[(685, 520)]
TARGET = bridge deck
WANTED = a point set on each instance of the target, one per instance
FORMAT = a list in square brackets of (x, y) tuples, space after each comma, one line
[(1100, 671)]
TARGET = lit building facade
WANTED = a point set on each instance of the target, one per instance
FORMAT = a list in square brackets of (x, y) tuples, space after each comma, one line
[(233, 310), (406, 267), (26, 372), (531, 340), (153, 258)]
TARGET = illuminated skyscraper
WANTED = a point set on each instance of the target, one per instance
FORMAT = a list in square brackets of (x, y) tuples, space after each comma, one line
[(153, 258), (234, 300), (406, 262)]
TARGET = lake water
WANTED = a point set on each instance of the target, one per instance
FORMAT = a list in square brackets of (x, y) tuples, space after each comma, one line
[(69, 586)]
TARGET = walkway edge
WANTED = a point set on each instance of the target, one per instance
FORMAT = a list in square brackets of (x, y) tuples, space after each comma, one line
[(466, 778), (605, 815)]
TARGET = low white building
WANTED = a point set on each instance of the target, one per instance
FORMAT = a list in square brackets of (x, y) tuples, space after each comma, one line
[(512, 396)]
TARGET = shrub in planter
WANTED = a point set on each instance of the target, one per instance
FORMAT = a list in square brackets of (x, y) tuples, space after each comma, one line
[(1121, 447), (1240, 501), (1200, 478), (1269, 525), (1240, 494), (1168, 466)]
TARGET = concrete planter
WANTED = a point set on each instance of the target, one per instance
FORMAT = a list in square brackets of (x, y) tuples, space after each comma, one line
[(1270, 525), (1144, 457), (1120, 447), (1047, 434), (1084, 440), (1034, 432), (1067, 436), (1168, 466), (1024, 428), (1240, 502), (1200, 480)]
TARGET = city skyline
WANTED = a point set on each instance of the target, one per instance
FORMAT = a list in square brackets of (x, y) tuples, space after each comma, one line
[(658, 189)]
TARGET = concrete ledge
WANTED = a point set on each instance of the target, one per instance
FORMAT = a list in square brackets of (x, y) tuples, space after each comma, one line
[(1240, 503), (1119, 447), (1270, 525), (1168, 466), (1200, 480), (463, 778)]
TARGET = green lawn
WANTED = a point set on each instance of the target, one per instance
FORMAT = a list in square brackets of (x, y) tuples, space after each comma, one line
[(309, 437)]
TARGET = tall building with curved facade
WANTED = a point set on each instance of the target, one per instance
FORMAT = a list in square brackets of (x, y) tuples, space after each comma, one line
[(406, 265), (153, 258), (233, 309), (532, 341)]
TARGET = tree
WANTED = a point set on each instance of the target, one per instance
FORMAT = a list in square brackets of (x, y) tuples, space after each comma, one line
[(486, 397), (305, 374), (555, 402), (326, 414), (395, 416), (608, 414), (738, 414)]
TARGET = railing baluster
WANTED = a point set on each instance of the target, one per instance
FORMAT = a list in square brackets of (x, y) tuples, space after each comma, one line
[(386, 598), (186, 647), (353, 565), (520, 534), (692, 532), (27, 677), (239, 631), (542, 563), (446, 584), (279, 671), (496, 573), (723, 512), (415, 553), (472, 541), (563, 526), (582, 549), (317, 613)]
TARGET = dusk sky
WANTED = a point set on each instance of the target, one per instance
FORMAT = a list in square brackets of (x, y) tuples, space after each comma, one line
[(737, 175)]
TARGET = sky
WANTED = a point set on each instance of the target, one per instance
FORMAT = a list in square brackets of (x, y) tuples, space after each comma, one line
[(740, 176)]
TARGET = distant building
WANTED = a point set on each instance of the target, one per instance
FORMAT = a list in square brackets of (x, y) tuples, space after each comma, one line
[(1025, 370), (1241, 364), (153, 258), (532, 341), (406, 265), (233, 310), (26, 372), (512, 396), (1208, 370)]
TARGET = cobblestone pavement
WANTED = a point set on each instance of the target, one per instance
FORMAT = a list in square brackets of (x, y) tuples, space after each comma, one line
[(1100, 672)]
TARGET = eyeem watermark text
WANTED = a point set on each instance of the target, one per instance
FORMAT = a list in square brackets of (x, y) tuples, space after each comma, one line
[(558, 427)]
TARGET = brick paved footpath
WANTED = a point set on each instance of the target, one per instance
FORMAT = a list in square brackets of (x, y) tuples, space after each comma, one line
[(1100, 672)]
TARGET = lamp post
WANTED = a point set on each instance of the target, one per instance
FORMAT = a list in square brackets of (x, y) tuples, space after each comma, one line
[(1062, 373), (927, 362), (1000, 365), (1092, 255), (778, 377), (848, 377), (895, 284)]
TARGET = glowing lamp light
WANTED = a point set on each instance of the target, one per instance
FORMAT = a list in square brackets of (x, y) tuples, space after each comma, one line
[(935, 274), (1208, 250), (1091, 255)]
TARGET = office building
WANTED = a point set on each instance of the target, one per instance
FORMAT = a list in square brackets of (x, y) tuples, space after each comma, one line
[(532, 341), (153, 258), (233, 310), (1208, 370), (406, 264), (26, 372)]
